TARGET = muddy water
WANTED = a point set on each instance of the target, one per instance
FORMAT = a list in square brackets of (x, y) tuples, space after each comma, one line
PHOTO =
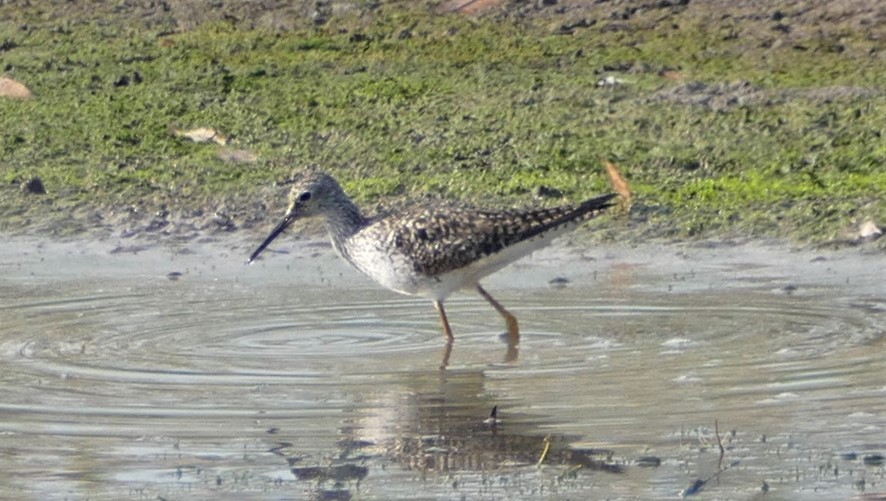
[(181, 373)]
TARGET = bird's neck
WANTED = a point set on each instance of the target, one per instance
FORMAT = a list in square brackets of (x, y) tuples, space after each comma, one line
[(344, 222)]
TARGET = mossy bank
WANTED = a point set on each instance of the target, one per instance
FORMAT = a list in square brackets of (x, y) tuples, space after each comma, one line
[(754, 121)]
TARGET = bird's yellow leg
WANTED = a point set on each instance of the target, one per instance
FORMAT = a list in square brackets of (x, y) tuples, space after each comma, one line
[(510, 320), (447, 331)]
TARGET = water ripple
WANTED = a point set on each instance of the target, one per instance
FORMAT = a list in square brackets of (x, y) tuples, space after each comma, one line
[(155, 387)]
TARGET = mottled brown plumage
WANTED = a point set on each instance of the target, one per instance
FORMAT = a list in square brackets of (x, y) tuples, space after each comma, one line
[(442, 240)]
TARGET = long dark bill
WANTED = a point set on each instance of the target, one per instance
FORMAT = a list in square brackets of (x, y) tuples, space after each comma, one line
[(280, 228)]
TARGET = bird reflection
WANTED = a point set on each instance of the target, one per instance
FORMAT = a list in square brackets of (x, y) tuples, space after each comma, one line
[(445, 422), (512, 352)]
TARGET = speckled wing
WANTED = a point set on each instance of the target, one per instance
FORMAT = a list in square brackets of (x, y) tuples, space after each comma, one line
[(447, 238)]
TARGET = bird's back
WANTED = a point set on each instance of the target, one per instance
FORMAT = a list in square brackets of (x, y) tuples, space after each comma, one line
[(443, 239), (434, 249)]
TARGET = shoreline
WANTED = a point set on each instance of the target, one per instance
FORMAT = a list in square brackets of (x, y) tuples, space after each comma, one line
[(728, 264)]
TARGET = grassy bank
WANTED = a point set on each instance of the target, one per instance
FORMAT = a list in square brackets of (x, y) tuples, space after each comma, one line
[(724, 125)]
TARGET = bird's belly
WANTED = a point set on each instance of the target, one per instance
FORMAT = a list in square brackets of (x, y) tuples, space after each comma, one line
[(396, 272), (390, 269)]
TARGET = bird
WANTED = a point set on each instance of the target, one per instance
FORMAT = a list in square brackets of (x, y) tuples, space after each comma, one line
[(430, 249)]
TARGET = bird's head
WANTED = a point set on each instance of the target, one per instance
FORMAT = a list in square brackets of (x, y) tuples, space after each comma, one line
[(313, 193)]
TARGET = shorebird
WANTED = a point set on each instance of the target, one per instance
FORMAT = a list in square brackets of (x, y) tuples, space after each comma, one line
[(430, 250)]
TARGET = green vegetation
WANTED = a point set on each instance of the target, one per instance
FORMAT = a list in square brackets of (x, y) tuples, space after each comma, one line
[(744, 139)]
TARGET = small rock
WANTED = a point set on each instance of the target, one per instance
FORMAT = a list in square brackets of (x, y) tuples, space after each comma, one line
[(12, 89), (558, 282), (609, 81), (548, 192), (126, 80), (122, 81), (869, 231), (34, 186), (318, 18), (223, 222)]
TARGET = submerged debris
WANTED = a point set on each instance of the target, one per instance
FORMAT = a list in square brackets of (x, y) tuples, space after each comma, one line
[(493, 419), (700, 483), (649, 461), (558, 282), (337, 473)]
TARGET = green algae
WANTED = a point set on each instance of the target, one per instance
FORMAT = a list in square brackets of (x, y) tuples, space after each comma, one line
[(749, 139)]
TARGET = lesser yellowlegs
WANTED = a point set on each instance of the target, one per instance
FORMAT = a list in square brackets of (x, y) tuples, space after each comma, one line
[(430, 250)]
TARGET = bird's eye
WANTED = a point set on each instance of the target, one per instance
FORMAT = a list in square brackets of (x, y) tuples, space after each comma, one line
[(304, 197)]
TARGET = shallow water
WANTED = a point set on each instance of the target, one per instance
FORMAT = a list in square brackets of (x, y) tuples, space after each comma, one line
[(182, 373)]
